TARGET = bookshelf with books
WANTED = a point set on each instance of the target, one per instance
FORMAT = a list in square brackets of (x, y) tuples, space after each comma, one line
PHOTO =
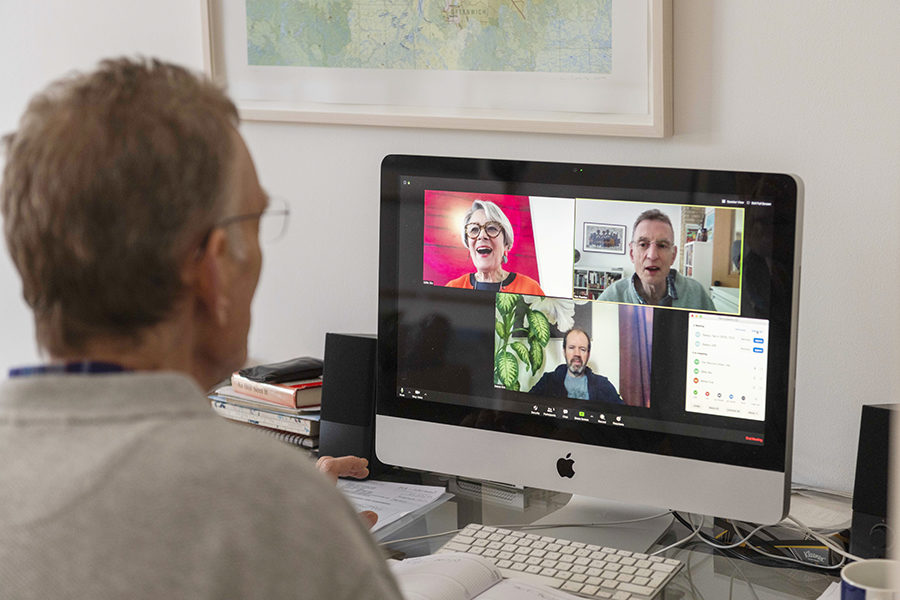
[(589, 283)]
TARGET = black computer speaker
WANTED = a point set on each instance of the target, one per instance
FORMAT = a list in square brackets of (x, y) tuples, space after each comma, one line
[(348, 398), (869, 527)]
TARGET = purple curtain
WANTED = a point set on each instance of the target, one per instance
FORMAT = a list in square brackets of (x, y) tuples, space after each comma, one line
[(635, 345)]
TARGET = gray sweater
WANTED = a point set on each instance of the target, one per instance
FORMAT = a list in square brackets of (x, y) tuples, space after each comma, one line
[(129, 486)]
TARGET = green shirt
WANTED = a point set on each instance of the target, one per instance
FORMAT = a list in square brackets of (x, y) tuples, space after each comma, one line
[(681, 292)]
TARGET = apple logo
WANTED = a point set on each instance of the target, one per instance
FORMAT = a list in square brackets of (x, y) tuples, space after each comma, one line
[(564, 466)]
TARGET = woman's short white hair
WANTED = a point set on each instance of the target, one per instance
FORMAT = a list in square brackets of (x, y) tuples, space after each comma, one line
[(493, 213)]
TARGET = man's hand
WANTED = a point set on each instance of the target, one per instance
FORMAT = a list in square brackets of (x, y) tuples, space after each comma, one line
[(343, 466), (348, 466)]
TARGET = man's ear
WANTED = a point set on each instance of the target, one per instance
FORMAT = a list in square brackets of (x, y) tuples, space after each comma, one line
[(674, 254), (207, 276)]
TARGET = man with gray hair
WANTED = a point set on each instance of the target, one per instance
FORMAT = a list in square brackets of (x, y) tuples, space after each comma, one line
[(132, 212), (653, 251)]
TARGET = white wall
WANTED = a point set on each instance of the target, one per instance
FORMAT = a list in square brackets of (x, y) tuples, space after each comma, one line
[(616, 213), (805, 87)]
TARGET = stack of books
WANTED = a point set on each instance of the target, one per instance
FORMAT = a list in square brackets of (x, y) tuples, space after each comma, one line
[(289, 410)]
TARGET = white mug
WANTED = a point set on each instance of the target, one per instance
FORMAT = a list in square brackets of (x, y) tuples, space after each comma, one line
[(874, 579)]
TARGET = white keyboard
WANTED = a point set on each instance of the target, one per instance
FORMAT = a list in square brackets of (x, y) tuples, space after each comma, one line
[(582, 569)]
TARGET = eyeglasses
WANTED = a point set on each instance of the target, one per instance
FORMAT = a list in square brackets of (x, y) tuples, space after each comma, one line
[(661, 245), (491, 228), (272, 221)]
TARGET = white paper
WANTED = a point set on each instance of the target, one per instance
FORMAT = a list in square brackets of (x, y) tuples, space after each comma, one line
[(390, 501), (832, 592), (450, 576), (457, 576)]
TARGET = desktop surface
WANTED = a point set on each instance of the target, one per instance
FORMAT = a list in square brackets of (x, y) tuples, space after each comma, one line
[(707, 573)]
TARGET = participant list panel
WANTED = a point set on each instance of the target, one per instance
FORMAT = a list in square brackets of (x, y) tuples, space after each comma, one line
[(726, 369)]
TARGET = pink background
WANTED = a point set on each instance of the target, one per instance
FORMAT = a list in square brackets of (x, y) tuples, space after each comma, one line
[(444, 257)]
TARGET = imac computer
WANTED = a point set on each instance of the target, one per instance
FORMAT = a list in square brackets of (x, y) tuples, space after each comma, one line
[(678, 289)]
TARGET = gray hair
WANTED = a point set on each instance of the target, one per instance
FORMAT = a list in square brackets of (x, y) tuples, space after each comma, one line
[(653, 214), (113, 178), (493, 213)]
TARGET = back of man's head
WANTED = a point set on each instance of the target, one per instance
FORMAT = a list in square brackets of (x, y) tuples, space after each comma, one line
[(112, 178)]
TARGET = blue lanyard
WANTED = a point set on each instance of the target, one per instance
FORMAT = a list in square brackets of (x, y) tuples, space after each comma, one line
[(81, 366)]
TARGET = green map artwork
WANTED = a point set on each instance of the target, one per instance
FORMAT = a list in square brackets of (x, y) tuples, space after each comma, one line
[(550, 36)]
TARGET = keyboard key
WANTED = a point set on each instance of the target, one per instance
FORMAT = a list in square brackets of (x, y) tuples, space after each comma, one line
[(552, 564), (641, 590), (579, 569), (455, 546)]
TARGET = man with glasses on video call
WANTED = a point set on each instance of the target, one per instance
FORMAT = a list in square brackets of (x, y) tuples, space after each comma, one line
[(132, 212), (655, 282)]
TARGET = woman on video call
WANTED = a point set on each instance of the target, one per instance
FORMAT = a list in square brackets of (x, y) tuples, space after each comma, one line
[(488, 236)]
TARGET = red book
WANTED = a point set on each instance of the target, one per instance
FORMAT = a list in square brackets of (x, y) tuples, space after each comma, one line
[(295, 394)]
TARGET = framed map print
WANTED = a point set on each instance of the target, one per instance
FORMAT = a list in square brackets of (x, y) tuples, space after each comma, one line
[(556, 66)]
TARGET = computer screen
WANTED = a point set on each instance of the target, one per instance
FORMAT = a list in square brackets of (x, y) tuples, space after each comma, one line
[(619, 332)]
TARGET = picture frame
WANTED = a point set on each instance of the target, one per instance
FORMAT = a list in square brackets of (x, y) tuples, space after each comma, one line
[(634, 99), (604, 237)]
